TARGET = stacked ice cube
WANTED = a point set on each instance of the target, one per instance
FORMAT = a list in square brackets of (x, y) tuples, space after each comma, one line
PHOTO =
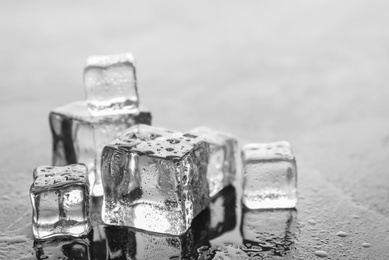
[(81, 129), (151, 178)]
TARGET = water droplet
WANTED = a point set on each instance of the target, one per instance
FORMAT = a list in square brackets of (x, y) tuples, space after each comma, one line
[(366, 245), (321, 253), (190, 135), (342, 234), (173, 141), (169, 149)]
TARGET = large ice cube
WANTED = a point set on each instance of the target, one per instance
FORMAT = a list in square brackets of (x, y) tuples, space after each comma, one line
[(222, 158), (60, 201), (270, 176), (110, 84), (81, 129), (269, 231), (154, 179)]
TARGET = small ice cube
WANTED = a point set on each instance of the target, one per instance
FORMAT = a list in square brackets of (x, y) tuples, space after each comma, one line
[(154, 179), (270, 176), (222, 158), (110, 84), (60, 201)]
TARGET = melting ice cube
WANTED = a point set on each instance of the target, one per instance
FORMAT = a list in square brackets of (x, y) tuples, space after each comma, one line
[(60, 201), (155, 179), (270, 176), (81, 129), (110, 84), (222, 158)]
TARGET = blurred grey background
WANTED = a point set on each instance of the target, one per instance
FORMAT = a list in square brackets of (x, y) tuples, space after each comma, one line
[(311, 72)]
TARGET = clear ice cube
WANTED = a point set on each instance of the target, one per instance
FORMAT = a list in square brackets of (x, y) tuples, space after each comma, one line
[(60, 201), (270, 176), (79, 137), (110, 84), (154, 179), (222, 158), (81, 129), (269, 231)]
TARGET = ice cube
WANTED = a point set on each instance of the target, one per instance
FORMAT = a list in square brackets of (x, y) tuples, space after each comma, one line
[(269, 231), (81, 129), (127, 243), (60, 201), (66, 248), (270, 176), (223, 213), (110, 84), (155, 179), (222, 158), (79, 137)]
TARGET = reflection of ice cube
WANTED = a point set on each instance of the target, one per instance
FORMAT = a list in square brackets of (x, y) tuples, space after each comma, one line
[(223, 215), (157, 184), (268, 231), (127, 243), (63, 249), (60, 201), (270, 176), (222, 158), (79, 137), (110, 84)]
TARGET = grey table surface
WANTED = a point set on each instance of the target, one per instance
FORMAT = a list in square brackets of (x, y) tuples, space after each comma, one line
[(315, 73)]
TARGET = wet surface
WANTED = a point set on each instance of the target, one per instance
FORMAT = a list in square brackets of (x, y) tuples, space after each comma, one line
[(314, 74)]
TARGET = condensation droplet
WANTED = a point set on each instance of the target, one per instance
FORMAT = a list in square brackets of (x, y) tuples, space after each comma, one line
[(342, 234), (366, 245), (321, 253)]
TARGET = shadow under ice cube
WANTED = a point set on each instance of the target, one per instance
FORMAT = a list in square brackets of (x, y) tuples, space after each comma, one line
[(155, 179), (81, 129), (270, 176), (60, 201), (222, 158)]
